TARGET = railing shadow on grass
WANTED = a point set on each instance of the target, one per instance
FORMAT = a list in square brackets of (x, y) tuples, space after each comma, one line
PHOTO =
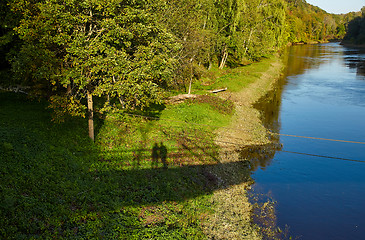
[(75, 188), (160, 182), (168, 180), (147, 186)]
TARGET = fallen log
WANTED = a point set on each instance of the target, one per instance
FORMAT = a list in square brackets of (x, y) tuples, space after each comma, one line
[(180, 98), (218, 90)]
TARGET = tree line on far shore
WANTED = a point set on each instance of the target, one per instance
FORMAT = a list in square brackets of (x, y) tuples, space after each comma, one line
[(356, 30), (129, 53)]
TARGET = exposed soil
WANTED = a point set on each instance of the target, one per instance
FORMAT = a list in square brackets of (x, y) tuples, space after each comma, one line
[(246, 127)]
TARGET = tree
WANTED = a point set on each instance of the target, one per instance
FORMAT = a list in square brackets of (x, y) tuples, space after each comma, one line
[(229, 17), (264, 27), (107, 48), (9, 42), (356, 31), (188, 21)]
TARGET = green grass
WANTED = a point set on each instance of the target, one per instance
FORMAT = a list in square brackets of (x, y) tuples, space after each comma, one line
[(205, 110), (56, 183), (234, 79)]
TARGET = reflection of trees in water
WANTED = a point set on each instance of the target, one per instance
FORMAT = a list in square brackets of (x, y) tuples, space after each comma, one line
[(355, 59), (269, 107), (300, 58), (260, 155), (297, 59)]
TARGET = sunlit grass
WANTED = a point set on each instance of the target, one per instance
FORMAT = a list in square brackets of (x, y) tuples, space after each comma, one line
[(233, 79)]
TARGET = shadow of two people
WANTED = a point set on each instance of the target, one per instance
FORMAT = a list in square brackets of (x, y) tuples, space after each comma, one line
[(159, 152)]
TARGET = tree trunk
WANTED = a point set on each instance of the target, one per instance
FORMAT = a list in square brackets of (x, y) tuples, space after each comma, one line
[(191, 77), (91, 115), (248, 41), (224, 58)]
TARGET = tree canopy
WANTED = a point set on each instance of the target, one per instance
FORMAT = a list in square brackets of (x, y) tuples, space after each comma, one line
[(77, 49), (356, 30)]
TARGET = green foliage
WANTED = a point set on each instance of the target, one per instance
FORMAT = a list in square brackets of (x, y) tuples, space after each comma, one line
[(234, 79), (109, 49), (128, 53), (9, 42), (308, 23), (264, 27), (356, 30), (55, 183)]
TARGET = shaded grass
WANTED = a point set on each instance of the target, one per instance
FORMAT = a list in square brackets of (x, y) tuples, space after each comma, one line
[(55, 183)]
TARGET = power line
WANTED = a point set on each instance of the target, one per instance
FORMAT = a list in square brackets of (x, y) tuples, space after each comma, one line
[(323, 156), (279, 150), (240, 145), (316, 138), (236, 129)]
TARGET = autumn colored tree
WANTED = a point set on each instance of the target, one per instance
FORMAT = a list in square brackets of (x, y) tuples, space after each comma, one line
[(308, 23)]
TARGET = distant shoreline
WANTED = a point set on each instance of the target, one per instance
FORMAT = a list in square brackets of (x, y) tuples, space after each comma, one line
[(349, 44)]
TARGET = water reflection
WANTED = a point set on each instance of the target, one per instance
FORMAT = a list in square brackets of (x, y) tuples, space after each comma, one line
[(355, 59), (269, 107), (320, 95), (302, 58), (299, 60), (260, 155)]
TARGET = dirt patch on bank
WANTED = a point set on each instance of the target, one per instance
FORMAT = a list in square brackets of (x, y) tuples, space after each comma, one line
[(246, 127), (232, 218)]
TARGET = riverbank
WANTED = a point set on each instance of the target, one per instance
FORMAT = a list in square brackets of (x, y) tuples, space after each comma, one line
[(232, 218), (352, 45), (57, 184)]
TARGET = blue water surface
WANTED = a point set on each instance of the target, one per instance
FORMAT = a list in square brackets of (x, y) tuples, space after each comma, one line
[(319, 185)]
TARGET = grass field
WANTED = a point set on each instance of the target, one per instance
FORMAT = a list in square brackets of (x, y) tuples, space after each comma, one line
[(233, 79), (56, 183)]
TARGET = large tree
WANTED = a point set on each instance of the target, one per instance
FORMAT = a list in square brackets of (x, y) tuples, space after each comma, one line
[(108, 48)]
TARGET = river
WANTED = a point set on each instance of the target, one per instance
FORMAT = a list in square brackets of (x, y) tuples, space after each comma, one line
[(318, 185)]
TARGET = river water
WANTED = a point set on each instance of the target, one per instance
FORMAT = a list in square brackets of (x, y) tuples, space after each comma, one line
[(318, 185)]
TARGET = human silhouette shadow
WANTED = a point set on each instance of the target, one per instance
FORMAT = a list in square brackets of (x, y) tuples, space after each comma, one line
[(155, 155), (159, 152), (163, 155)]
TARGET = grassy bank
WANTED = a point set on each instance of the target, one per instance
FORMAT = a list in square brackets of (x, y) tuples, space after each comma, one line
[(55, 183), (233, 211)]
